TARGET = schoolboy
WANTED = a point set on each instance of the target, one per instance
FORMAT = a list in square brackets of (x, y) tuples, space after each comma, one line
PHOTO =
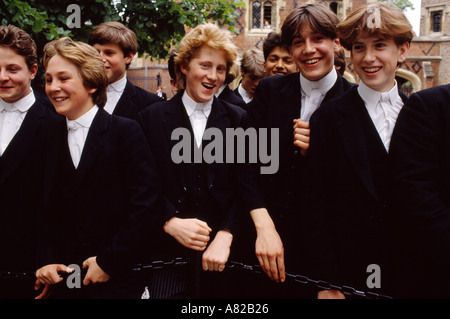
[(350, 138), (252, 71), (310, 33), (102, 190), (420, 167), (118, 45), (201, 216), (277, 58), (25, 122)]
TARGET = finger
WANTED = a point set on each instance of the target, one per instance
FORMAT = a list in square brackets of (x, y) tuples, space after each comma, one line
[(301, 138), (44, 293), (281, 268), (302, 131), (221, 267), (267, 267), (87, 279), (301, 144), (204, 263), (37, 284), (274, 269), (203, 224)]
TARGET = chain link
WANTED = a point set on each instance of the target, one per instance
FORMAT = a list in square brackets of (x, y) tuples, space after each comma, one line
[(180, 261)]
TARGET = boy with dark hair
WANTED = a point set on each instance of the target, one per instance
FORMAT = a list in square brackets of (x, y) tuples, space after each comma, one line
[(350, 138), (280, 101), (118, 45), (25, 125), (277, 58)]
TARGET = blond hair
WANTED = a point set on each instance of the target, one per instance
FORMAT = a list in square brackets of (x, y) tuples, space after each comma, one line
[(391, 23), (252, 62), (205, 34), (88, 62)]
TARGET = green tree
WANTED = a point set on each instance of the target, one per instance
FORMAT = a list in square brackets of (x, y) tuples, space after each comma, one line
[(158, 24), (402, 4)]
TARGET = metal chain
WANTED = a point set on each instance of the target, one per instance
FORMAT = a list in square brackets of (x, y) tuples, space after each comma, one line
[(180, 261)]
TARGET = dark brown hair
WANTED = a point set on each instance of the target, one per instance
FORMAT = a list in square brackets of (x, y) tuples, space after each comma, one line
[(21, 42)]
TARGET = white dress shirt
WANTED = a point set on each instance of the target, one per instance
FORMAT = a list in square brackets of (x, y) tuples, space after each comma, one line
[(198, 115), (113, 93), (77, 133), (313, 93), (245, 96), (11, 118), (383, 108)]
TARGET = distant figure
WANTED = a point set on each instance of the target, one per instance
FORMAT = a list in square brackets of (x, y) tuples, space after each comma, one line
[(161, 94)]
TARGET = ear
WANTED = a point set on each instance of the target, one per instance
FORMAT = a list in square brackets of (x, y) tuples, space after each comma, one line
[(183, 68), (403, 52), (336, 45), (33, 71), (129, 58), (92, 91)]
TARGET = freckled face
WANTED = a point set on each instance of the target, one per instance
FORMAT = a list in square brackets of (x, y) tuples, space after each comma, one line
[(205, 74)]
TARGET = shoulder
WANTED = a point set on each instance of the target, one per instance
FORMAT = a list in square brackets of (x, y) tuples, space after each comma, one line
[(279, 81), (142, 93)]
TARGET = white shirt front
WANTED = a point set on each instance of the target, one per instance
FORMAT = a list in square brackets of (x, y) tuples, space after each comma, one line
[(383, 108), (313, 93), (114, 93), (245, 96), (77, 133), (198, 115), (11, 118)]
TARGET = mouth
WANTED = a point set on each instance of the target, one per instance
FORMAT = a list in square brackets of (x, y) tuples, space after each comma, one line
[(208, 86), (372, 70), (311, 62), (60, 99)]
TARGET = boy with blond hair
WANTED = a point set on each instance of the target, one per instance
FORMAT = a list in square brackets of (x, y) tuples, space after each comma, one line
[(118, 45), (350, 138)]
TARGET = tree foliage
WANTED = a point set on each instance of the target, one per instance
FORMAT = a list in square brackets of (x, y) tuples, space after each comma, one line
[(402, 4), (158, 24)]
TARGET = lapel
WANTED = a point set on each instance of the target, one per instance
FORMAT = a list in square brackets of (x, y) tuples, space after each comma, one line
[(18, 148), (173, 118), (352, 115), (127, 98), (216, 120), (291, 97), (94, 143)]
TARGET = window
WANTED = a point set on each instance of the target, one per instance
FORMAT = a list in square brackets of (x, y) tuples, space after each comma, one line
[(436, 21), (261, 15)]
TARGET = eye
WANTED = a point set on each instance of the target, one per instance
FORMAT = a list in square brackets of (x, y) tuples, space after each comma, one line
[(357, 47)]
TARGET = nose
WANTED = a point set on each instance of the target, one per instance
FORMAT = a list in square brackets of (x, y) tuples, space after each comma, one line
[(309, 47), (280, 64), (369, 55), (3, 75), (53, 86)]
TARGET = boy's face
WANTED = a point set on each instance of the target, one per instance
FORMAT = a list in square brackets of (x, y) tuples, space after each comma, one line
[(279, 61), (249, 82), (114, 59), (65, 89), (375, 61), (205, 74), (15, 76), (314, 53)]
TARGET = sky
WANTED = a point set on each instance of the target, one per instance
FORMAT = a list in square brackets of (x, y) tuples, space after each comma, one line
[(414, 16)]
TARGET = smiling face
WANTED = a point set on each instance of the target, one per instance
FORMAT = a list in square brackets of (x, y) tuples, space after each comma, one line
[(114, 59), (15, 76), (205, 74), (65, 88), (314, 53), (279, 61), (375, 60)]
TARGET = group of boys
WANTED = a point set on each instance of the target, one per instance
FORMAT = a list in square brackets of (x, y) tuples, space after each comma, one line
[(105, 191)]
